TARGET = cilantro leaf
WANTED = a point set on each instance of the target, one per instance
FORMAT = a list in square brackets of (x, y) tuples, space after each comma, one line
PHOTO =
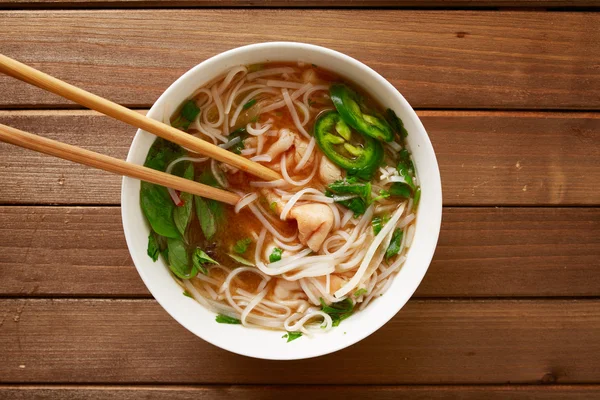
[(275, 255), (292, 336), (241, 246), (225, 319)]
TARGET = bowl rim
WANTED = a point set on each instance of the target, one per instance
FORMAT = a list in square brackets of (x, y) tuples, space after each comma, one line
[(434, 212)]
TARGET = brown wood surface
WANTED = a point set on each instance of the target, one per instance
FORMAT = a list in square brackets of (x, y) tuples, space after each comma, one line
[(74, 251), (437, 59), (510, 307), (292, 392), (486, 158), (441, 342), (512, 4)]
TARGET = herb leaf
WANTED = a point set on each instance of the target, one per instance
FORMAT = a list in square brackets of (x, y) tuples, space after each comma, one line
[(241, 260), (249, 104), (417, 199), (225, 319), (241, 246), (338, 311), (238, 147), (395, 122), (406, 168), (351, 186), (360, 292), (179, 260), (394, 246), (183, 214), (378, 223), (209, 211), (275, 255), (400, 189), (199, 258), (187, 294), (155, 201), (206, 217), (292, 336), (153, 249), (188, 113)]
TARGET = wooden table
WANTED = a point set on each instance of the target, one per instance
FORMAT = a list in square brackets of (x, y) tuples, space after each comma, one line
[(509, 92)]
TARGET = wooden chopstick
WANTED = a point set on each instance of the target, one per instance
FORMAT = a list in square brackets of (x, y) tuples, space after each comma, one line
[(42, 80), (110, 164)]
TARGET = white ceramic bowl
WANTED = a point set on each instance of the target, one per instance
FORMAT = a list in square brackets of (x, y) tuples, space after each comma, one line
[(267, 344)]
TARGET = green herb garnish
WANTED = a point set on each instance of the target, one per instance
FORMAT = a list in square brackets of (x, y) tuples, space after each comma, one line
[(241, 246), (351, 186), (395, 122), (249, 104), (417, 199), (360, 292), (275, 255), (394, 246), (225, 319), (200, 259), (241, 260), (292, 336), (338, 311), (378, 223), (182, 215), (188, 113), (153, 249), (187, 294)]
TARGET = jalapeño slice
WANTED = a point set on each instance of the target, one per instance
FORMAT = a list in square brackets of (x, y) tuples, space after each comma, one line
[(358, 154), (348, 103)]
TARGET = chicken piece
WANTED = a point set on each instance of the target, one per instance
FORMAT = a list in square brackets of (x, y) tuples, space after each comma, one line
[(310, 76), (273, 198), (314, 223), (250, 142), (300, 146), (335, 282), (328, 171), (285, 141), (284, 289)]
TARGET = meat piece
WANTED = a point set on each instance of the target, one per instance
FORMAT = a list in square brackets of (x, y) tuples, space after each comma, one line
[(328, 171), (283, 289), (273, 198), (314, 223), (300, 146), (250, 142), (285, 141), (335, 282)]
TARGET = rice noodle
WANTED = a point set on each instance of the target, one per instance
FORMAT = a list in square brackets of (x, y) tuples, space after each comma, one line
[(307, 153), (261, 158), (244, 201), (269, 72), (293, 113), (246, 99), (388, 227), (258, 131), (230, 75), (268, 225), (287, 177), (283, 84)]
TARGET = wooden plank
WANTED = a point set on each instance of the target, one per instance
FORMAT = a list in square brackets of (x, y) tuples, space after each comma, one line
[(215, 392), (486, 158), (482, 252), (442, 342), (437, 59), (513, 4)]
